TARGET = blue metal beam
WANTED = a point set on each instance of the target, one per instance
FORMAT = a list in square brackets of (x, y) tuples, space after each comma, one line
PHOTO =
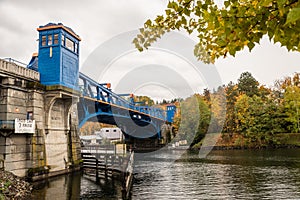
[(105, 94), (99, 103)]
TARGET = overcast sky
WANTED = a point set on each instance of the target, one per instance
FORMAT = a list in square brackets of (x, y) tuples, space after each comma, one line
[(97, 21)]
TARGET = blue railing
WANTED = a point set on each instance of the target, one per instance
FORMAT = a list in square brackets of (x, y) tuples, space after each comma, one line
[(102, 92)]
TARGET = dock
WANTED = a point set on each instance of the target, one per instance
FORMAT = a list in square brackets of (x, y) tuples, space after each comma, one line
[(101, 165)]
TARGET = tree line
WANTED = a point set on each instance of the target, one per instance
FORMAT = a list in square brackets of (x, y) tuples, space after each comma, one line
[(247, 108)]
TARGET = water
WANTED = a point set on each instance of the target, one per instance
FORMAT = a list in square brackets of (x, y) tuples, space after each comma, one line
[(76, 186), (236, 174)]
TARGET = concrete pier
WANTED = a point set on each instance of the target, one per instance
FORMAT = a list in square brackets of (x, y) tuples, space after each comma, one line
[(54, 146)]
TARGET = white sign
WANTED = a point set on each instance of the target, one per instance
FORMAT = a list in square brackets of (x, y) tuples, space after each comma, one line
[(24, 126), (183, 142)]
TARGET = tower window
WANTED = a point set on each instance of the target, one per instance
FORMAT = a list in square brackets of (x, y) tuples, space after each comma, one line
[(55, 38), (69, 44), (30, 115), (43, 40), (75, 47), (62, 40), (49, 39)]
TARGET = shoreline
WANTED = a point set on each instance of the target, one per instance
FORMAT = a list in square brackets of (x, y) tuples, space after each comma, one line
[(218, 141), (225, 148)]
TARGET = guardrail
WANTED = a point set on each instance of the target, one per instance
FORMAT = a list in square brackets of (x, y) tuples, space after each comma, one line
[(14, 68), (15, 61), (128, 177), (95, 90), (102, 165), (106, 165)]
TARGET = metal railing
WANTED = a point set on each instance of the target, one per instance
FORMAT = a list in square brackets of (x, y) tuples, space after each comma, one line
[(128, 177), (93, 89), (16, 68)]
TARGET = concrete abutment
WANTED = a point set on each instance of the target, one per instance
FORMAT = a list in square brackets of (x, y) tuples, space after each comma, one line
[(54, 146)]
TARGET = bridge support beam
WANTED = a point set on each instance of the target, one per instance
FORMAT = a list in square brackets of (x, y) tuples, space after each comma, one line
[(61, 133)]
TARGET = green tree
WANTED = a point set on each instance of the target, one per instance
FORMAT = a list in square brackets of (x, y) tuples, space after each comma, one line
[(244, 120), (292, 105), (206, 95), (189, 119), (259, 118), (204, 120), (144, 100), (218, 110), (194, 119), (287, 93), (231, 91), (264, 92), (227, 29), (252, 117), (275, 116), (247, 84)]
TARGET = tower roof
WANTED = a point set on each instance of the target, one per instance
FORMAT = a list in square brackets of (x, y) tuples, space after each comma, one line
[(59, 25)]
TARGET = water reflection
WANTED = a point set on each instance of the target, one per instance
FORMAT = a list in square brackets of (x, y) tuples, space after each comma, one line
[(237, 174), (62, 187), (76, 186), (249, 174)]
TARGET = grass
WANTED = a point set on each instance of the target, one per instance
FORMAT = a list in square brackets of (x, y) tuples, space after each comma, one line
[(4, 187)]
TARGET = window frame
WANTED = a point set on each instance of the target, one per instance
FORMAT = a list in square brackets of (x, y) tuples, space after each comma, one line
[(69, 44), (29, 115), (49, 40), (55, 39), (76, 47), (44, 40), (63, 39)]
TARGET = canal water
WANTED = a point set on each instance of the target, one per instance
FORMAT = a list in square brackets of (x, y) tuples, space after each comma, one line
[(230, 174)]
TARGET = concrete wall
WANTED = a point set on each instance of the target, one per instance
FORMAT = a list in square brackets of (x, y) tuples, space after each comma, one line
[(55, 145), (21, 151), (18, 153), (11, 68)]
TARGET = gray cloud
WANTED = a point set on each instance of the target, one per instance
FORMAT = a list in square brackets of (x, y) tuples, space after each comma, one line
[(97, 21)]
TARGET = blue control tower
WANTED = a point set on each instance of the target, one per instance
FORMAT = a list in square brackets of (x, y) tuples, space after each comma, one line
[(171, 110), (58, 57)]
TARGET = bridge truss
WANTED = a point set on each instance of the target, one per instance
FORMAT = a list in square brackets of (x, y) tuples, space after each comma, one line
[(98, 103)]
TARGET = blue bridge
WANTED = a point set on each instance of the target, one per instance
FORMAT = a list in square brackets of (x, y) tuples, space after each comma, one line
[(98, 103), (43, 105), (58, 64)]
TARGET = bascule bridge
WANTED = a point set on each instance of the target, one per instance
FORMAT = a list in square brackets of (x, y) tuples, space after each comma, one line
[(43, 105)]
